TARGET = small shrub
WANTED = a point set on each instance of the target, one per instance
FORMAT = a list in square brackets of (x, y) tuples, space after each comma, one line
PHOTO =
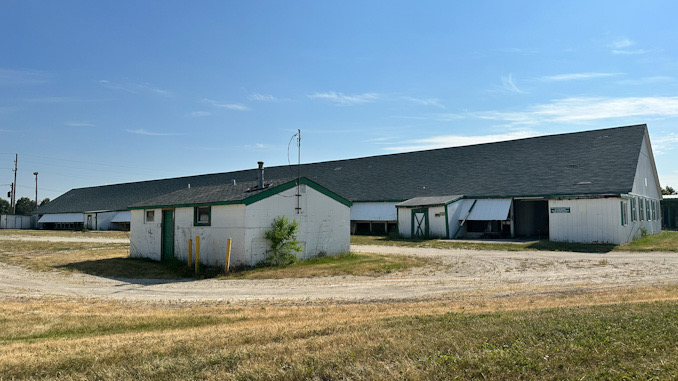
[(284, 244)]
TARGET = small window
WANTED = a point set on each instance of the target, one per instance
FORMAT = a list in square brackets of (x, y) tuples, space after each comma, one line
[(202, 216), (624, 214), (647, 210), (150, 215), (641, 213), (633, 210)]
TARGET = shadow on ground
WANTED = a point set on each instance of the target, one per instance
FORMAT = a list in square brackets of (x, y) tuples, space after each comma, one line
[(575, 247), (139, 270)]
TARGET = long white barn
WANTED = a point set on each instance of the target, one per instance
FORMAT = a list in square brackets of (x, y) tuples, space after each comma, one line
[(590, 186)]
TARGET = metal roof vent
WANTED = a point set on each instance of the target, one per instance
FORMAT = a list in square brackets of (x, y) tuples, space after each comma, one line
[(260, 174), (233, 182)]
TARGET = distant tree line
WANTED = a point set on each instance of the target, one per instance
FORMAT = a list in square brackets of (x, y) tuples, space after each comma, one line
[(24, 205), (667, 190)]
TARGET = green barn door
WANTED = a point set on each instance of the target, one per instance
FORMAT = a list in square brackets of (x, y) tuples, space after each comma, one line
[(419, 223), (167, 234)]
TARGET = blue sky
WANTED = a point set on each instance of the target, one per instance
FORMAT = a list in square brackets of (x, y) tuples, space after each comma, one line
[(95, 92)]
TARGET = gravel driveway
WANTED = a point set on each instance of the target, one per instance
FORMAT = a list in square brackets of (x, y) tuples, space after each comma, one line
[(460, 272)]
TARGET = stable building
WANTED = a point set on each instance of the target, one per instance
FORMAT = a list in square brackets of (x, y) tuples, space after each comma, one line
[(597, 195), (162, 226), (566, 187)]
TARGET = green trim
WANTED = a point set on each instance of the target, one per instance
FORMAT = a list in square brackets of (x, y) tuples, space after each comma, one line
[(209, 216), (326, 192), (425, 232), (258, 196), (291, 184)]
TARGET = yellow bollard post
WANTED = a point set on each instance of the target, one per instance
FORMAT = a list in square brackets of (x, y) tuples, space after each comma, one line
[(228, 255), (190, 252), (197, 253)]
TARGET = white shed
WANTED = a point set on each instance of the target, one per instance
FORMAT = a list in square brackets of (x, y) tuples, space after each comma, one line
[(161, 227)]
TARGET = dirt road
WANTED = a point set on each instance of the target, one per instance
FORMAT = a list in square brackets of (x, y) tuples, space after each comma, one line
[(460, 272)]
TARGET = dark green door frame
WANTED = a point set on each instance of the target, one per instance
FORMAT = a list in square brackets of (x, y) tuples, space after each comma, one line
[(167, 242), (419, 223)]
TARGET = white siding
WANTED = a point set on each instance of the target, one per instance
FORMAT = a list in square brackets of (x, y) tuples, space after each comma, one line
[(405, 222), (436, 222), (645, 183), (324, 224), (226, 221), (596, 221), (104, 220), (145, 237), (323, 227), (12, 221)]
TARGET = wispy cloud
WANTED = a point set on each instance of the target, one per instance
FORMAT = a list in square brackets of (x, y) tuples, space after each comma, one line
[(258, 147), (510, 85), (199, 114), (342, 99), (135, 88), (576, 76), (78, 123), (458, 140), (574, 110), (23, 77), (141, 131), (624, 45), (425, 101), (664, 143), (258, 97), (229, 106)]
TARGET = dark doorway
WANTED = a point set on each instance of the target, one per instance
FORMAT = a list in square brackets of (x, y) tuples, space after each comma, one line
[(531, 218)]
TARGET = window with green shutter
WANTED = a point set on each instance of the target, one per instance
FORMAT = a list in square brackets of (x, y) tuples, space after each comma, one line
[(624, 213)]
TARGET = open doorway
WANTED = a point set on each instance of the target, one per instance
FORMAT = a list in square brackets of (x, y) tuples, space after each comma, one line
[(531, 218)]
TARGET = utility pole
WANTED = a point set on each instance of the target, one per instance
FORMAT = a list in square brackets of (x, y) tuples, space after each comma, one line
[(36, 189), (16, 161)]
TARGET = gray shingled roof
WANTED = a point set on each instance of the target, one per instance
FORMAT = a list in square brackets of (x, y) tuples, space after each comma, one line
[(590, 162), (210, 194)]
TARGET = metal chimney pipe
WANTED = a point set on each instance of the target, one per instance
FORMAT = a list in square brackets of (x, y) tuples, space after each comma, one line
[(261, 174)]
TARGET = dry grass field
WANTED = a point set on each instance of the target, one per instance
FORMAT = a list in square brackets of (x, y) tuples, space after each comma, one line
[(618, 334), (604, 332)]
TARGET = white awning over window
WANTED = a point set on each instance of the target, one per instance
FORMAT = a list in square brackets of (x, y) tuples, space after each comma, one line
[(374, 211), (493, 209), (61, 218), (124, 216)]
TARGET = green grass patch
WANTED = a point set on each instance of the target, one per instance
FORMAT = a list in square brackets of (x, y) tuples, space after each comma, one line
[(666, 241), (363, 264)]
